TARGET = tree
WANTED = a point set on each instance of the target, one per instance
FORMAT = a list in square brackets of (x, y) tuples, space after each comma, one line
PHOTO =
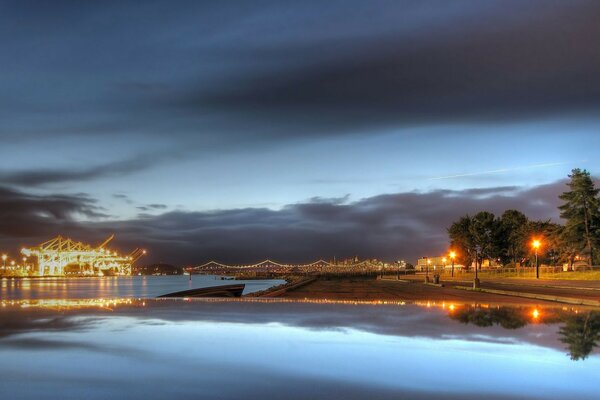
[(506, 317), (477, 238), (513, 225), (566, 247), (461, 240), (581, 333), (483, 230), (556, 248), (581, 211)]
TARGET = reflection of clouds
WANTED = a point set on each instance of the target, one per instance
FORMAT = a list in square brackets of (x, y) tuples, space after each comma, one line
[(36, 343), (406, 320), (269, 349), (17, 321)]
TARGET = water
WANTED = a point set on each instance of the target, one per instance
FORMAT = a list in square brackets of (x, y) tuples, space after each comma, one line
[(115, 287), (273, 349)]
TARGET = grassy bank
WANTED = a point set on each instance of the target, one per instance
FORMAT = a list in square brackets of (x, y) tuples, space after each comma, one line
[(570, 275)]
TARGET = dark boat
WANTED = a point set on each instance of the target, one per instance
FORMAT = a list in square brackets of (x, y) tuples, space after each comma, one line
[(213, 291)]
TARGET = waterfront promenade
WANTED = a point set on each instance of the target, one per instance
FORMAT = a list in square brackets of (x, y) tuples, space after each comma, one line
[(413, 288)]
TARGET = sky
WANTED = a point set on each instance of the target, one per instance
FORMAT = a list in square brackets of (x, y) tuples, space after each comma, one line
[(239, 130)]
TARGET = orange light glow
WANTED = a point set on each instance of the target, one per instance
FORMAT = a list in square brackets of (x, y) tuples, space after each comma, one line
[(535, 313)]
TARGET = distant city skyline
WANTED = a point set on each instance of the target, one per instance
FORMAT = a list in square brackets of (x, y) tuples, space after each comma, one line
[(294, 131)]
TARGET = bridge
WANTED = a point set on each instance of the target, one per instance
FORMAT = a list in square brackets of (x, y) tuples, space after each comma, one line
[(320, 266)]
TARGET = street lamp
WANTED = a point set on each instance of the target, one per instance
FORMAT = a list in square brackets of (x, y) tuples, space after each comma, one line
[(427, 270), (476, 280), (400, 264), (536, 245), (4, 257), (452, 257)]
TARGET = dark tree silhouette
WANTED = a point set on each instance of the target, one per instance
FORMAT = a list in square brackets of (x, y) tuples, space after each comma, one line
[(506, 317), (581, 333)]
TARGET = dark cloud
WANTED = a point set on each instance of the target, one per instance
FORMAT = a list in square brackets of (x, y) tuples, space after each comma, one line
[(150, 207), (392, 226), (276, 69), (500, 62), (29, 216), (46, 176)]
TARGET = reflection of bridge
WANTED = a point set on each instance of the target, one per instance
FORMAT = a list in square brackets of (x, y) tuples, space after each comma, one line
[(273, 266)]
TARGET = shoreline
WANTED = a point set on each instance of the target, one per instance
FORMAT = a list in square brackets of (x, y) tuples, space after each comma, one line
[(415, 289)]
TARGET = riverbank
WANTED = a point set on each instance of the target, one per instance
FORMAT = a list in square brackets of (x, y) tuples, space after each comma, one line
[(413, 289)]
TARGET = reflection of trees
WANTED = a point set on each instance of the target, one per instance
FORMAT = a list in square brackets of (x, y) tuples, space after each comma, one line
[(581, 333), (506, 317)]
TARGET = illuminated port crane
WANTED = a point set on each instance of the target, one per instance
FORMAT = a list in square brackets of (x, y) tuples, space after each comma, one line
[(63, 256)]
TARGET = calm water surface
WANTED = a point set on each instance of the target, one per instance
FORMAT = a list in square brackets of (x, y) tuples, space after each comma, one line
[(115, 287), (275, 349)]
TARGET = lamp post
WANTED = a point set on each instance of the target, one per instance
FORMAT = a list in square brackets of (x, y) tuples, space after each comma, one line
[(4, 257), (476, 280), (452, 257), (536, 245), (427, 270)]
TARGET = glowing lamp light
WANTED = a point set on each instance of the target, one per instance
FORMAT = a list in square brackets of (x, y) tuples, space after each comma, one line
[(536, 244), (452, 255), (535, 313)]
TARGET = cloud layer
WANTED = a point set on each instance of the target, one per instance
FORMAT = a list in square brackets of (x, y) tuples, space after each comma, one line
[(390, 227), (278, 71)]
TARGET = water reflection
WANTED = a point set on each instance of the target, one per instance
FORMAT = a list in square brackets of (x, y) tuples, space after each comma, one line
[(581, 333), (579, 330), (111, 287), (277, 348), (577, 327)]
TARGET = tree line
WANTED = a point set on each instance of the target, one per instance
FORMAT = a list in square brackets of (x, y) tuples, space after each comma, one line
[(508, 238), (581, 331)]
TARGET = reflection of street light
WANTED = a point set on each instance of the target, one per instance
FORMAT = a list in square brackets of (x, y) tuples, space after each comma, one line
[(452, 257), (536, 245)]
